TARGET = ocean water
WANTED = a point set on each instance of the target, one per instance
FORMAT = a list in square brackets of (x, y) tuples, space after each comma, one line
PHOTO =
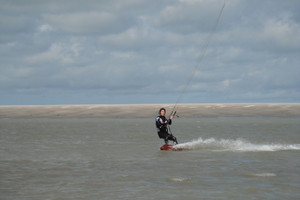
[(119, 158)]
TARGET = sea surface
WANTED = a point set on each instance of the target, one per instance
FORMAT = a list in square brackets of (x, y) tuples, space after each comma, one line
[(119, 158)]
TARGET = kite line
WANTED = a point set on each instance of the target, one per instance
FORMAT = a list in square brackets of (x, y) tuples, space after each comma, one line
[(206, 44)]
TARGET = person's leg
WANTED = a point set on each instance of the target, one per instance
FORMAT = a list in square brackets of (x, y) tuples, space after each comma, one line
[(172, 138), (175, 139), (160, 135), (166, 140), (163, 135)]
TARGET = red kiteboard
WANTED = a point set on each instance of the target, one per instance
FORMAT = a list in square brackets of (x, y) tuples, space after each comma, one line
[(170, 147)]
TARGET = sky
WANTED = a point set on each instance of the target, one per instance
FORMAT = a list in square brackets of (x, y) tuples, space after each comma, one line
[(142, 52)]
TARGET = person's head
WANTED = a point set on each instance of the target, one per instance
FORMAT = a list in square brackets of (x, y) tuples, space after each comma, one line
[(162, 111)]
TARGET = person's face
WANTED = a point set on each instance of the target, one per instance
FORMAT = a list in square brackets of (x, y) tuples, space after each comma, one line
[(162, 112)]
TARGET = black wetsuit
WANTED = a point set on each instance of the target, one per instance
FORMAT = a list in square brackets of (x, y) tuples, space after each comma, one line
[(162, 129)]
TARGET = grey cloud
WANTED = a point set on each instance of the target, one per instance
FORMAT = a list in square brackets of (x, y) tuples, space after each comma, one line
[(147, 50), (189, 16), (87, 22)]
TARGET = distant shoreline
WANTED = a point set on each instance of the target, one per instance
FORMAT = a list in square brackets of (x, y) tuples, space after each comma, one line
[(150, 110)]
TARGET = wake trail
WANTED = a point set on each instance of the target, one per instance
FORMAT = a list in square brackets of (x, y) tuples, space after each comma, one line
[(238, 145)]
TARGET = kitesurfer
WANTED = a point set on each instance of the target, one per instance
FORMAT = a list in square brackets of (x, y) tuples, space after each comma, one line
[(162, 126)]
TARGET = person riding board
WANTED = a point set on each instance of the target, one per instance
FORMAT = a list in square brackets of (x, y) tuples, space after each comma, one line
[(162, 126)]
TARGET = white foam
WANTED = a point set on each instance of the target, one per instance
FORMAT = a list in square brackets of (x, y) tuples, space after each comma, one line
[(180, 179), (265, 175), (235, 145)]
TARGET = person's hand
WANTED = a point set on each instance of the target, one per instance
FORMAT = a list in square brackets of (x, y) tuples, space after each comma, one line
[(171, 117)]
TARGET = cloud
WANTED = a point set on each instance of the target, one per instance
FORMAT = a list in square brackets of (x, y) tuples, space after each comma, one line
[(282, 34), (86, 22), (56, 53), (45, 28), (143, 51), (189, 16)]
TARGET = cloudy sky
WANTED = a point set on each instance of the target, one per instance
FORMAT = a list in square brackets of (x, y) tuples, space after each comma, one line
[(141, 51)]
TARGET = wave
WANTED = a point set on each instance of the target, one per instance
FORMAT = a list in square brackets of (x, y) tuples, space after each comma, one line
[(240, 145), (263, 175)]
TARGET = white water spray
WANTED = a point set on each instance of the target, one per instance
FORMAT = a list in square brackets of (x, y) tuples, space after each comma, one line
[(240, 145)]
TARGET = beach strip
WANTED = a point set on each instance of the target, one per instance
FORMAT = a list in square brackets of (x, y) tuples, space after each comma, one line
[(150, 110)]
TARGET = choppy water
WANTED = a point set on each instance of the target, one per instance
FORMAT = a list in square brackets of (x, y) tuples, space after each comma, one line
[(90, 158)]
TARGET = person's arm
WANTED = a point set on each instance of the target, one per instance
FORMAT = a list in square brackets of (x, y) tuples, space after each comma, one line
[(162, 121), (170, 120), (159, 122)]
